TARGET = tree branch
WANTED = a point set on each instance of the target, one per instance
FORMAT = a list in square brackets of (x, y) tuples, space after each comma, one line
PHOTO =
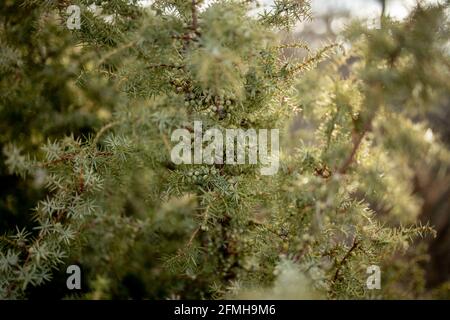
[(356, 144), (345, 258), (194, 16)]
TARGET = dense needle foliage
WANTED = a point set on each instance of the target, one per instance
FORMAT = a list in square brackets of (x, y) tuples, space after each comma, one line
[(86, 118)]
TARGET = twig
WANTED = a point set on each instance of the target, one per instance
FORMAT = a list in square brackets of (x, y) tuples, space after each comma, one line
[(164, 65), (103, 130), (344, 259), (344, 167), (116, 50), (194, 16), (70, 156), (191, 239), (356, 144)]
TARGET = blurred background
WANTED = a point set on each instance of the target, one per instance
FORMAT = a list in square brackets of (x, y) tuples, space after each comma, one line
[(366, 8)]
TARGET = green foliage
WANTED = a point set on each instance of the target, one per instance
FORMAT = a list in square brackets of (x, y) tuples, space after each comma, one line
[(142, 227)]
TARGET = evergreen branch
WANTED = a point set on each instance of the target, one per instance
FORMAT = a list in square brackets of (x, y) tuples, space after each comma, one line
[(312, 60), (103, 130), (345, 166), (70, 157), (194, 16), (115, 51), (218, 223), (345, 258), (192, 237), (164, 65), (301, 45)]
